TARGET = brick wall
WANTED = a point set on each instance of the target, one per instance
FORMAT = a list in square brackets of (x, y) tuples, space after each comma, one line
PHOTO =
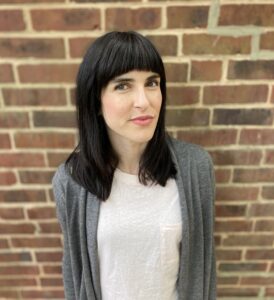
[(219, 58)]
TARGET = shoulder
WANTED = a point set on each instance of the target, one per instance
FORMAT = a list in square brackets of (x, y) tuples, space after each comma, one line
[(62, 180), (190, 152)]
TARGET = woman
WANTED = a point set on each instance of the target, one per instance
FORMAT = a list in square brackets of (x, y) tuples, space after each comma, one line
[(136, 207)]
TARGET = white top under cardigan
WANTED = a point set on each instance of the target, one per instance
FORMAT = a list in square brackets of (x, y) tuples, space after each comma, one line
[(78, 214), (139, 235)]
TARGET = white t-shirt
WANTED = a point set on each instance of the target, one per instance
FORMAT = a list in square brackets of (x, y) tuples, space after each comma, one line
[(139, 235)]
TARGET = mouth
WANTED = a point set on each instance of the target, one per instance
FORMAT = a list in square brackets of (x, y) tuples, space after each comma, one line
[(142, 120)]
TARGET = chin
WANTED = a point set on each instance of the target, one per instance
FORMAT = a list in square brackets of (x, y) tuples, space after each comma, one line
[(143, 139)]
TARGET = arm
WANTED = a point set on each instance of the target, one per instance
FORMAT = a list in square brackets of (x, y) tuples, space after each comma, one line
[(61, 215)]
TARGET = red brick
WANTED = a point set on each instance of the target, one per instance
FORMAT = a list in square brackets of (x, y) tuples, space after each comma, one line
[(44, 140), (11, 213), (269, 156), (262, 209), (36, 242), (233, 211), (31, 1), (268, 192), (227, 280), (257, 137), (182, 95), (242, 267), (7, 178), (206, 70), (246, 69), (13, 283), (223, 116), (176, 72), (187, 117), (256, 280), (34, 97), (66, 19), (248, 240), (4, 141), (42, 294), (49, 227), (205, 137), (18, 196), (135, 19), (222, 175), (55, 159), (10, 294), (19, 228), (46, 212), (54, 281), (269, 292), (11, 20), (72, 96), (52, 269), (217, 240), (19, 270), (15, 257), (4, 243), (14, 120), (257, 15), (165, 44), (226, 255), (266, 41), (235, 94), (22, 160), (233, 226), (49, 256), (54, 119), (32, 47), (253, 175), (36, 177), (261, 254), (63, 73), (238, 292), (236, 157), (204, 44), (6, 74), (79, 46), (187, 16), (264, 225), (233, 193)]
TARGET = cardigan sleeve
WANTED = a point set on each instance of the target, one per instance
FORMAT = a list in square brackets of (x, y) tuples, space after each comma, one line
[(207, 192), (61, 215)]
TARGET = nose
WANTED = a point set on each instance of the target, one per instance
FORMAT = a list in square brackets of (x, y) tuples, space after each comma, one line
[(141, 99)]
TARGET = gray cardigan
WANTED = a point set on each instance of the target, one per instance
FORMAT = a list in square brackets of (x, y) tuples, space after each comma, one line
[(78, 212)]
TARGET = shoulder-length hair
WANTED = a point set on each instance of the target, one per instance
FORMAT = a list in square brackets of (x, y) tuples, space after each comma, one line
[(93, 162)]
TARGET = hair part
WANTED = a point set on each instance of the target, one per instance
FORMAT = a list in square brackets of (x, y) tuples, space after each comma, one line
[(93, 161)]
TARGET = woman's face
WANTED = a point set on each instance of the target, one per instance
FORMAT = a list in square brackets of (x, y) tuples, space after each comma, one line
[(132, 95)]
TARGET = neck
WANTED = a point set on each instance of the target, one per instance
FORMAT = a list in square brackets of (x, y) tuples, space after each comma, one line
[(129, 156)]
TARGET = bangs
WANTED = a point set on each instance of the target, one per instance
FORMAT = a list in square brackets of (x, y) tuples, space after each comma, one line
[(125, 53)]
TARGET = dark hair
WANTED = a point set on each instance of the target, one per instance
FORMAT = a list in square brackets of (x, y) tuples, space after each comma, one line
[(93, 161)]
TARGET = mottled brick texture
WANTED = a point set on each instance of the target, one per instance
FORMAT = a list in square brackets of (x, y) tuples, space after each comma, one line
[(219, 59)]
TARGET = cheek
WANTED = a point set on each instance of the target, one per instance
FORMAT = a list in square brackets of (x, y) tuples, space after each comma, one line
[(113, 110), (158, 101)]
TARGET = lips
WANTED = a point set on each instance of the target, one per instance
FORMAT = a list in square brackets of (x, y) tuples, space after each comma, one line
[(142, 118)]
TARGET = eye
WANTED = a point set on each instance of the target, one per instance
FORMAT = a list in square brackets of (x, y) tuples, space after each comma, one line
[(153, 83), (121, 87)]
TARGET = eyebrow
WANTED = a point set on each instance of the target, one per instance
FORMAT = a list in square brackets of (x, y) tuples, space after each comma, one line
[(125, 79)]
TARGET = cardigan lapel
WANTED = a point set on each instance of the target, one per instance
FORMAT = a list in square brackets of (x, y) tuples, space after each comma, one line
[(183, 277), (92, 208)]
